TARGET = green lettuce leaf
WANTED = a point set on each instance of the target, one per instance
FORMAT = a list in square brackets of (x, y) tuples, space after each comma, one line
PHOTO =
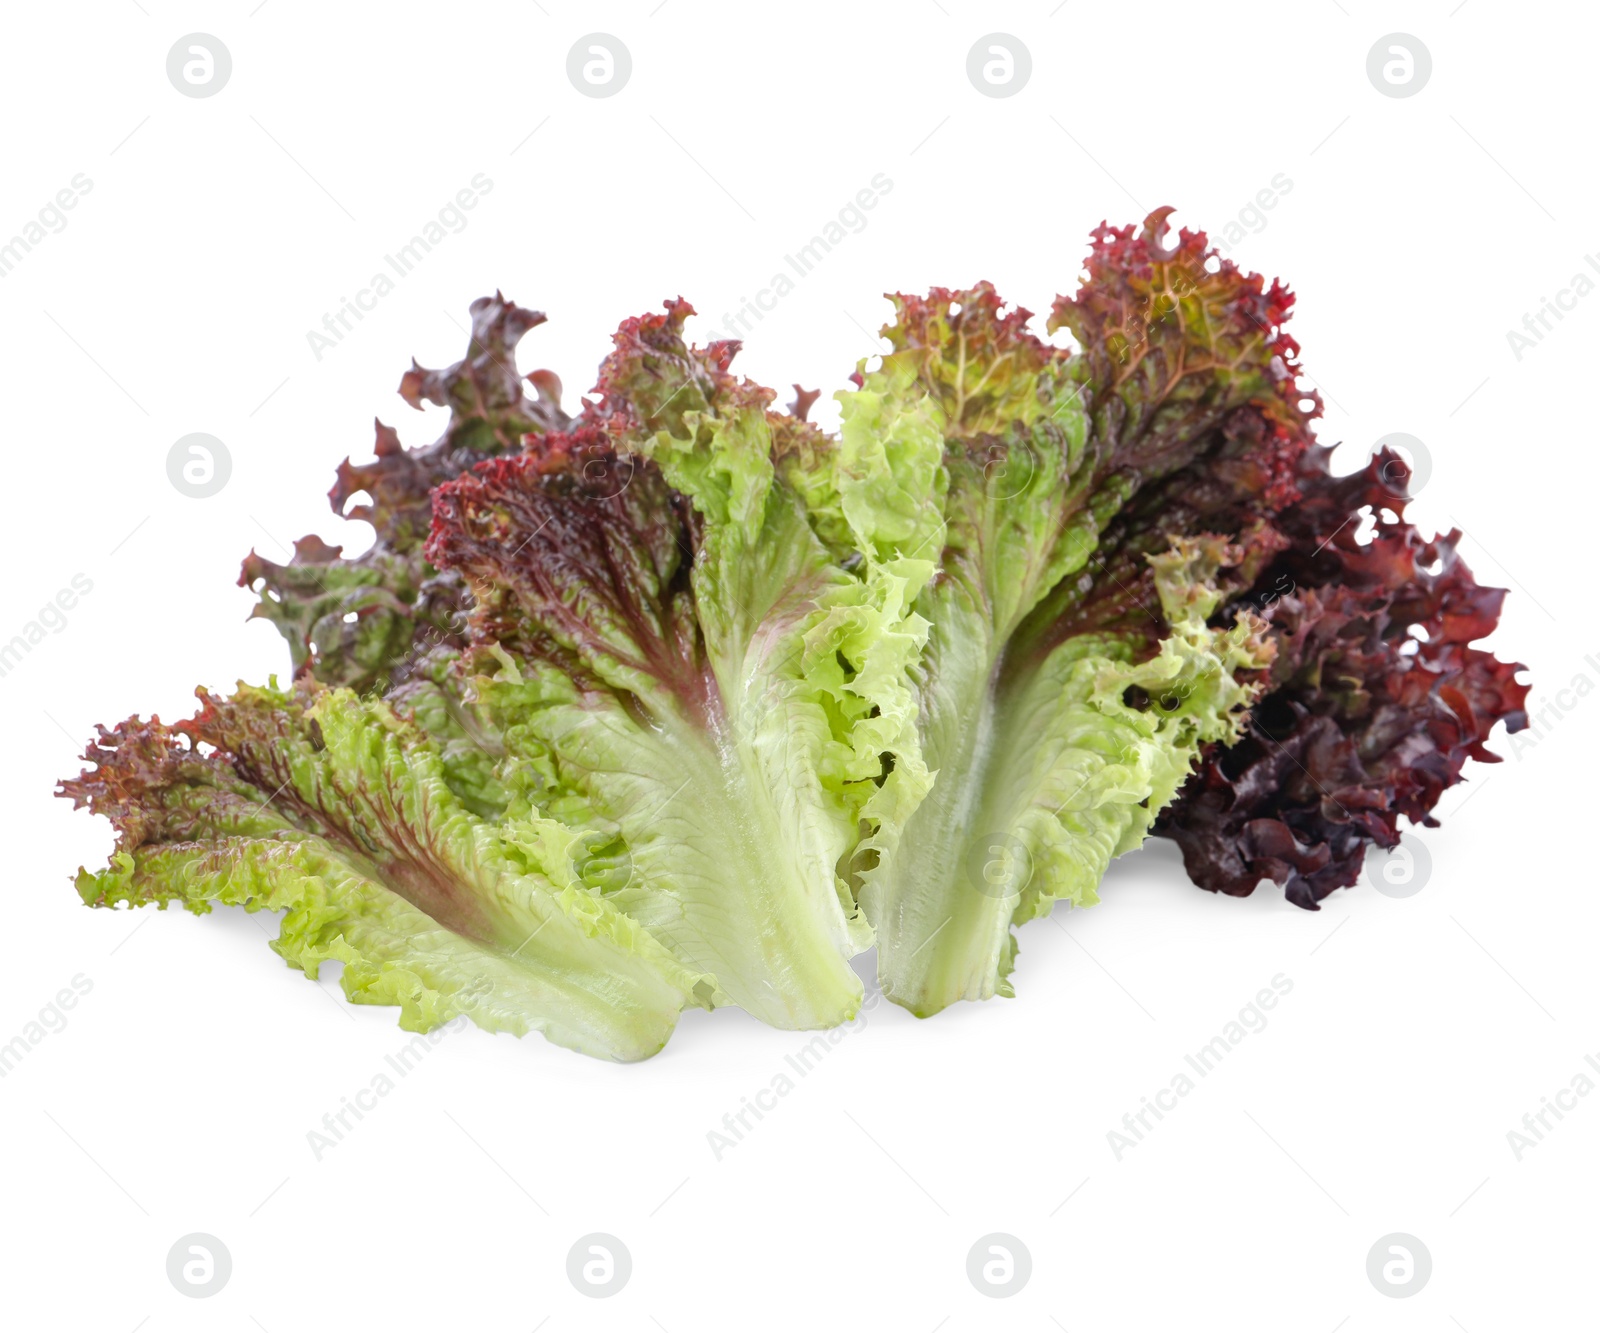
[(1041, 450), (335, 811), (1078, 757), (714, 693)]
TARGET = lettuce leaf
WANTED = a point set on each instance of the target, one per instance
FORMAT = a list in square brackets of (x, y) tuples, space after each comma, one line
[(334, 810), (1376, 700), (1042, 450), (656, 620), (369, 622)]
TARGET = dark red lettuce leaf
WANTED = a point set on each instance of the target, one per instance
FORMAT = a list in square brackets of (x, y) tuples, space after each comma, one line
[(1192, 385), (1377, 698), (1363, 722), (490, 412), (377, 621), (579, 556)]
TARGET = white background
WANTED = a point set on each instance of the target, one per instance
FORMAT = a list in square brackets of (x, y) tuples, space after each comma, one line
[(219, 231)]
